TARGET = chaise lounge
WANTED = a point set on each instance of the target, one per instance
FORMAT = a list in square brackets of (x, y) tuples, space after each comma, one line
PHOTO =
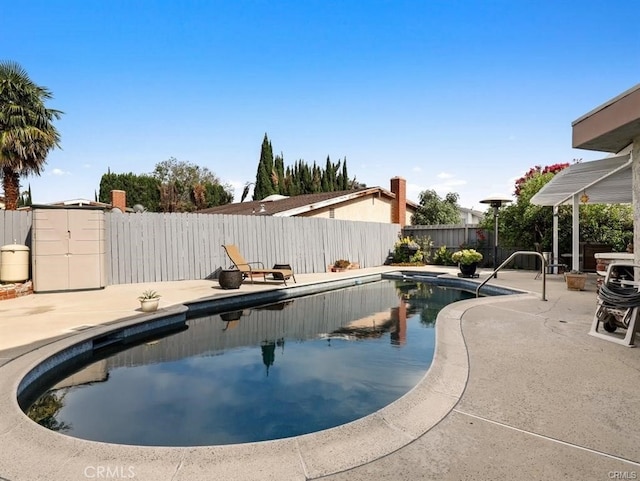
[(281, 273)]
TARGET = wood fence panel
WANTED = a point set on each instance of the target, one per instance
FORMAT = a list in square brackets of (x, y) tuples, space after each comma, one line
[(452, 236), (150, 247), (15, 227)]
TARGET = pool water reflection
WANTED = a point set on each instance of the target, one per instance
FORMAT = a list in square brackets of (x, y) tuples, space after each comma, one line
[(266, 373)]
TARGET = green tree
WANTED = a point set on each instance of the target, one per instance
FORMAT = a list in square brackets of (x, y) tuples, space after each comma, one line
[(27, 133), (25, 198), (279, 171), (45, 410), (264, 185), (185, 186), (434, 210), (523, 224), (174, 186), (140, 189), (272, 177)]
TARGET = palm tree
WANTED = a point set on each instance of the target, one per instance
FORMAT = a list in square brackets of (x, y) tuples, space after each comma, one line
[(26, 130)]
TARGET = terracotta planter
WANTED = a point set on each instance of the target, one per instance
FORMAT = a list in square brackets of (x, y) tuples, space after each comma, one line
[(575, 282), (149, 305)]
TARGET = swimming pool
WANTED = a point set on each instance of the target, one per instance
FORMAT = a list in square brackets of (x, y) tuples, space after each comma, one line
[(267, 373)]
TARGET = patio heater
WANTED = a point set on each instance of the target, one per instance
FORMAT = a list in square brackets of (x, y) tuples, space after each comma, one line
[(496, 202)]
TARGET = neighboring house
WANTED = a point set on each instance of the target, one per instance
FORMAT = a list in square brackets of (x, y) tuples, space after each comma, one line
[(371, 204), (470, 216), (80, 203), (118, 201)]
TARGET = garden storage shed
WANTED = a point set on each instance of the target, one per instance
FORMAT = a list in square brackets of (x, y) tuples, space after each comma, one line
[(68, 248)]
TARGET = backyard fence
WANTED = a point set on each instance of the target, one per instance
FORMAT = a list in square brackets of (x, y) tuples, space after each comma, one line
[(452, 236), (455, 236), (15, 227), (150, 247)]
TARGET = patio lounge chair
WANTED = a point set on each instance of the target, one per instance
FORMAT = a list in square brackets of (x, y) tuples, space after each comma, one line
[(251, 269)]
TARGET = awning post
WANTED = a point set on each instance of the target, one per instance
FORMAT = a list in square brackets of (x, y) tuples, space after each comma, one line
[(575, 234)]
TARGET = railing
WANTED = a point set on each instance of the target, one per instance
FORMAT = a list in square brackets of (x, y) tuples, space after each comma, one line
[(530, 253)]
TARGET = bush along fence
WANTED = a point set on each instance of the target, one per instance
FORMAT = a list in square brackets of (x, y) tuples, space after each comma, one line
[(446, 239)]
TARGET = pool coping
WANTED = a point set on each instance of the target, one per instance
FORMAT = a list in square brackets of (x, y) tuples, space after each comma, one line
[(303, 457)]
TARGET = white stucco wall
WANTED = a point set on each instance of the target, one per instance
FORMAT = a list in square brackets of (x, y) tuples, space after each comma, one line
[(407, 217)]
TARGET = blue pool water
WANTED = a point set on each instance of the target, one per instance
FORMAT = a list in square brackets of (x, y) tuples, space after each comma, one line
[(264, 373)]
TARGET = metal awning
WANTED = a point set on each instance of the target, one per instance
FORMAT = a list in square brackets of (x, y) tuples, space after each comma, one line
[(605, 181)]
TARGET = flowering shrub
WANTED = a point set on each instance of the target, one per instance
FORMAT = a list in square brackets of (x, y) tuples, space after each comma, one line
[(466, 256), (538, 170)]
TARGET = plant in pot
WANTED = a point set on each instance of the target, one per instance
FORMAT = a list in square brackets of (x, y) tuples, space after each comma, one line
[(576, 280), (467, 260), (149, 300), (340, 265)]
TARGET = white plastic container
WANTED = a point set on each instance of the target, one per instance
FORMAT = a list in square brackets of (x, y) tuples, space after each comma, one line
[(14, 263)]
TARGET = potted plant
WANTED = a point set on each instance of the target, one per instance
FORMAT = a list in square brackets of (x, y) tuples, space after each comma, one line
[(467, 260), (340, 265), (149, 300), (575, 280)]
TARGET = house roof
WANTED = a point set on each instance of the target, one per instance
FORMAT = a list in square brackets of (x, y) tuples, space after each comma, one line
[(299, 204), (477, 213), (81, 202)]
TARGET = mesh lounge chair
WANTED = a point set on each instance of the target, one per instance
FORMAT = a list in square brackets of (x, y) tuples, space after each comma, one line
[(251, 269)]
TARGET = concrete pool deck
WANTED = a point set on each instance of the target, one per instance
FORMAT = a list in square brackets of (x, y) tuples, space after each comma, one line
[(517, 390)]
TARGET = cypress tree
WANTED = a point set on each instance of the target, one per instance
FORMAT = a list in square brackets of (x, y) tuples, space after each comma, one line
[(345, 176), (264, 181), (279, 169)]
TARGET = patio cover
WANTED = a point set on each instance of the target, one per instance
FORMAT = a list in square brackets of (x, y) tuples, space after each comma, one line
[(605, 181)]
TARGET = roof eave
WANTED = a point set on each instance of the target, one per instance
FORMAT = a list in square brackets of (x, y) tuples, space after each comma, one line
[(611, 126), (333, 201)]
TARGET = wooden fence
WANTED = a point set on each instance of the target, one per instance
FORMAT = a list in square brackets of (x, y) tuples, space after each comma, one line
[(165, 247), (15, 227), (470, 235), (452, 236)]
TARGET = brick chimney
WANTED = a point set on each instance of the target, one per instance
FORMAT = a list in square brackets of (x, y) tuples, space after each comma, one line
[(399, 207), (119, 200), (399, 317)]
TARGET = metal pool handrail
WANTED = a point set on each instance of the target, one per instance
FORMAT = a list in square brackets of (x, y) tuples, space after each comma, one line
[(530, 253)]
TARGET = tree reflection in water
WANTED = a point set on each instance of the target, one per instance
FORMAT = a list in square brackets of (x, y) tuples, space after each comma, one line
[(45, 409)]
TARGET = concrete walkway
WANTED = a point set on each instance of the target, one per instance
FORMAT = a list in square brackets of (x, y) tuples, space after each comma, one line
[(538, 397)]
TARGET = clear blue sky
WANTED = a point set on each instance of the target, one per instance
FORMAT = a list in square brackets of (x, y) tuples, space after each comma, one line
[(456, 96)]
